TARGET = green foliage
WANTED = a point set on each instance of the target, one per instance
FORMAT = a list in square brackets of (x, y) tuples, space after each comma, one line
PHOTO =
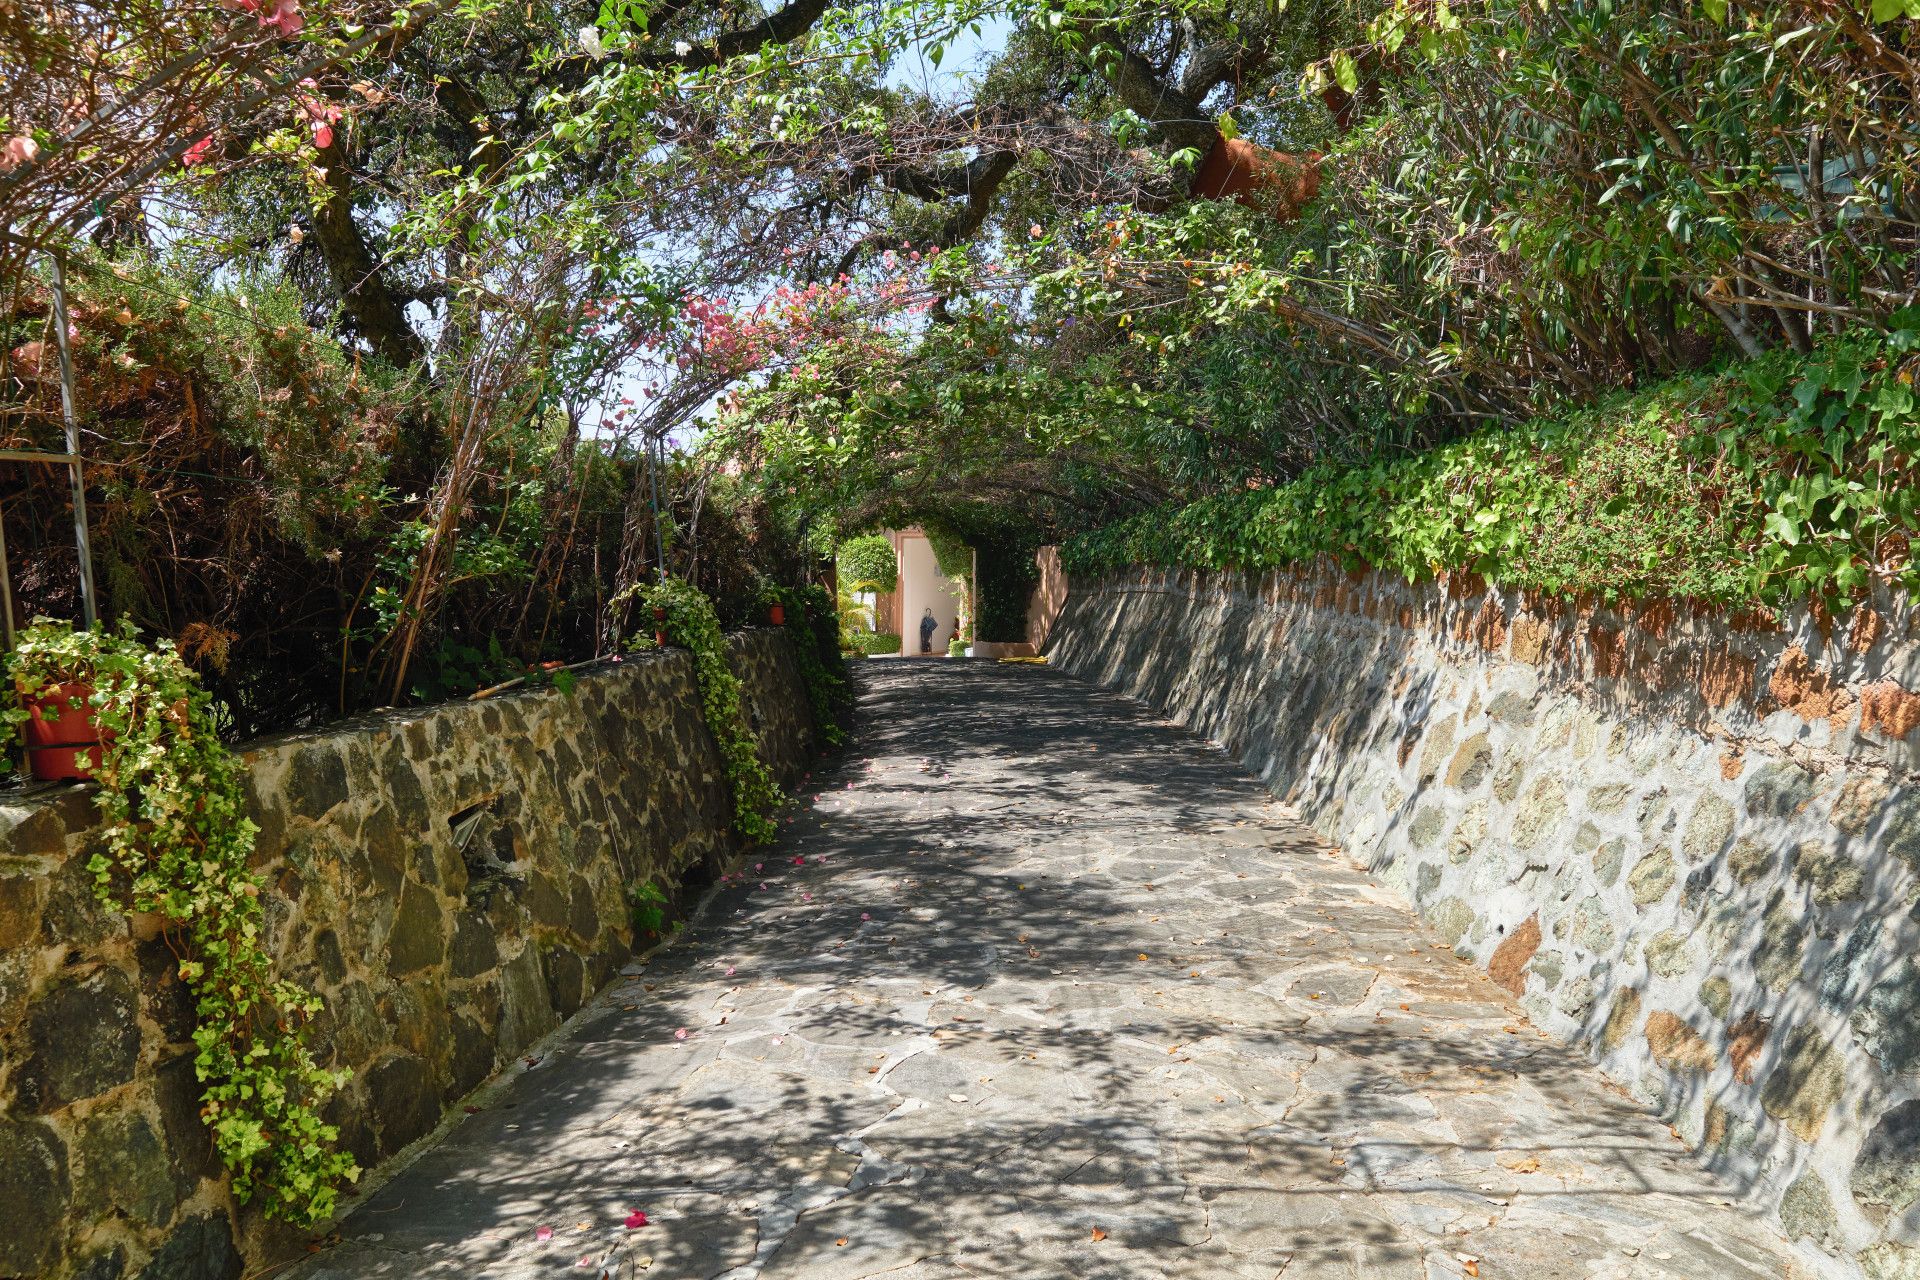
[(651, 909), (692, 624), (951, 553), (869, 563), (1785, 478), (875, 644), (176, 841), (1006, 578), (814, 626)]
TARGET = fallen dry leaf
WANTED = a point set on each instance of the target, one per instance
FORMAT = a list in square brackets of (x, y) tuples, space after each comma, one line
[(1099, 1235)]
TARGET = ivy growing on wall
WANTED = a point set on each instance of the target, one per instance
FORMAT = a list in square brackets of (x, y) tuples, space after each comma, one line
[(828, 693), (692, 624), (176, 843)]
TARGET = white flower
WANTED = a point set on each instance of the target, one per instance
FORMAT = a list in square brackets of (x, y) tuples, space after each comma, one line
[(590, 43), (681, 48)]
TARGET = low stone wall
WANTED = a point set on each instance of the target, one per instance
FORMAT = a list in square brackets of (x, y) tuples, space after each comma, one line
[(1687, 843), (453, 881)]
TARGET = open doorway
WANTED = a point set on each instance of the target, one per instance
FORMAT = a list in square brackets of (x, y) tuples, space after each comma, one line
[(923, 587)]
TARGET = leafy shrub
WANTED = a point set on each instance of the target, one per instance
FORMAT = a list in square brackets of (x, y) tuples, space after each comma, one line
[(1785, 478), (876, 643), (869, 563)]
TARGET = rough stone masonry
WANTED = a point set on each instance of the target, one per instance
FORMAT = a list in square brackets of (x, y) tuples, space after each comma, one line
[(453, 881), (1688, 843)]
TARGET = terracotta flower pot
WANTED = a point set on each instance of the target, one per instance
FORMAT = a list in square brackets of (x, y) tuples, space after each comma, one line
[(777, 612), (59, 734), (660, 626)]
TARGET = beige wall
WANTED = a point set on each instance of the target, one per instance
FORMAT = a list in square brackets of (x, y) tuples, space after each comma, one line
[(923, 587)]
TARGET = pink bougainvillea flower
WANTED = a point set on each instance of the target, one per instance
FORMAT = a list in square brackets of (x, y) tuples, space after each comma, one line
[(198, 153), (729, 971), (759, 866), (20, 150), (543, 1233), (799, 862), (680, 1033), (865, 915), (282, 17), (636, 1219)]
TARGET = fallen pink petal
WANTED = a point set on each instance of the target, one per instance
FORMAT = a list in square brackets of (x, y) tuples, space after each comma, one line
[(680, 1033), (543, 1233)]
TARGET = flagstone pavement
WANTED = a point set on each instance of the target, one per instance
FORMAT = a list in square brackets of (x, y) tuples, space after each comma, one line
[(1038, 986)]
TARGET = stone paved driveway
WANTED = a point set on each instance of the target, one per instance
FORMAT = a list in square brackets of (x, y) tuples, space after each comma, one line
[(1058, 992)]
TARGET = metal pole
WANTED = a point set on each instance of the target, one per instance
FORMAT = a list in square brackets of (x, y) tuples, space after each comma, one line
[(6, 587), (89, 611), (653, 480)]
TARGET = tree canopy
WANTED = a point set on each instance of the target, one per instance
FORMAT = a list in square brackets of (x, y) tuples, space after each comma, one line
[(384, 316)]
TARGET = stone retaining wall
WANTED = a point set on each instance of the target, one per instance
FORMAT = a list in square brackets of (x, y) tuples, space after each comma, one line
[(452, 880), (1687, 843)]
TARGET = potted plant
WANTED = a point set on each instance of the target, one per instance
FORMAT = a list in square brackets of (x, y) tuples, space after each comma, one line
[(767, 594), (56, 673)]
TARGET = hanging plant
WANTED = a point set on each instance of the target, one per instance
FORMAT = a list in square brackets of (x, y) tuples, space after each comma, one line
[(175, 843), (685, 616)]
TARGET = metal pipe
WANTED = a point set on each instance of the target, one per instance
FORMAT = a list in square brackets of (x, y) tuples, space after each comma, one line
[(6, 587), (89, 610)]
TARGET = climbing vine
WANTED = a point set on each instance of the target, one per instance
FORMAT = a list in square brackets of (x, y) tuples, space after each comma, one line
[(692, 624), (176, 843), (827, 691)]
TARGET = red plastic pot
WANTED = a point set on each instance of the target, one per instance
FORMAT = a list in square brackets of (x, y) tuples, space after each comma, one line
[(660, 626), (778, 613), (59, 734)]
